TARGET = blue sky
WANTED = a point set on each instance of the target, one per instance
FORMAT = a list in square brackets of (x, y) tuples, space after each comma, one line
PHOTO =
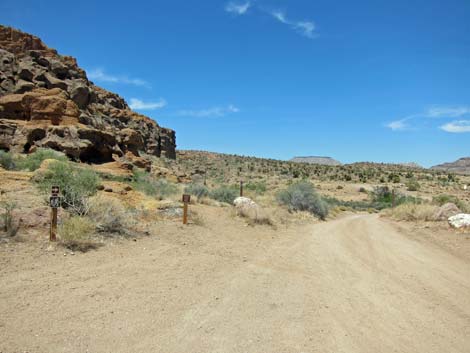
[(355, 80)]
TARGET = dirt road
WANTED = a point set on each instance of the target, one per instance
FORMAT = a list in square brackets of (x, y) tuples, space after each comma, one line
[(355, 284)]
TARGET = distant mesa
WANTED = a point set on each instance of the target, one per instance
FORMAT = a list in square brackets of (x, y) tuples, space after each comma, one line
[(461, 166), (46, 100), (413, 165), (316, 160)]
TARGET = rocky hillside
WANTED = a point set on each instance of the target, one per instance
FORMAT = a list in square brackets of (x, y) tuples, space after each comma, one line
[(46, 100), (461, 166), (316, 160)]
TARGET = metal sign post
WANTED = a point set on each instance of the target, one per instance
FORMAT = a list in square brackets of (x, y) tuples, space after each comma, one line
[(186, 201), (54, 203)]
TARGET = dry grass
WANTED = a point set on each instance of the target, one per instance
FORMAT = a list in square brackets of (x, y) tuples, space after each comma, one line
[(254, 214), (76, 234), (412, 212), (109, 215)]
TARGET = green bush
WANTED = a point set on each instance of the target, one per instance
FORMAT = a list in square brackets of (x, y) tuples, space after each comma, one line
[(197, 190), (159, 188), (445, 198), (303, 197), (9, 226), (76, 185), (33, 161), (6, 160), (109, 215), (413, 185), (224, 194), (259, 187)]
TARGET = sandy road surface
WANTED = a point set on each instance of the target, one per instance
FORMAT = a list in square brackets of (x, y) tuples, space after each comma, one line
[(355, 284)]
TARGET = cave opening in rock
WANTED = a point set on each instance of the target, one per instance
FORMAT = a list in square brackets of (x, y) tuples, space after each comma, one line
[(95, 156)]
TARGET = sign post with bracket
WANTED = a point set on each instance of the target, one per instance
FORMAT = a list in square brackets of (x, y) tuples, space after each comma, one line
[(54, 203)]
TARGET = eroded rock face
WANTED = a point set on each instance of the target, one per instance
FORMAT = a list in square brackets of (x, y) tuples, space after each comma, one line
[(46, 100)]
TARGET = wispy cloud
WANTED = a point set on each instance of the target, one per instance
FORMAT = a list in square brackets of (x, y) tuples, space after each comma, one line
[(139, 104), (447, 112), (397, 125), (306, 28), (101, 76), (458, 126), (238, 8), (435, 112), (213, 112)]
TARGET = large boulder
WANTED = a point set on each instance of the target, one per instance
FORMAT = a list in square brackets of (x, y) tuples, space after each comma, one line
[(43, 91), (445, 211), (461, 220)]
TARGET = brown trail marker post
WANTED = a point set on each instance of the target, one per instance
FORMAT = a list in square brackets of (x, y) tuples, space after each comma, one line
[(186, 201), (54, 203), (241, 188)]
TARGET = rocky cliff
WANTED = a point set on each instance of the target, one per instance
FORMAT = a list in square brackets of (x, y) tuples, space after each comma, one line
[(47, 101), (461, 166)]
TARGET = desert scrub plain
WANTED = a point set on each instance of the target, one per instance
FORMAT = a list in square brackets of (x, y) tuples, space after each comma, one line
[(126, 275)]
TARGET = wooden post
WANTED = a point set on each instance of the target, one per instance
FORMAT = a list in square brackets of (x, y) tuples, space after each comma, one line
[(393, 198), (53, 232), (54, 202), (186, 201), (241, 188)]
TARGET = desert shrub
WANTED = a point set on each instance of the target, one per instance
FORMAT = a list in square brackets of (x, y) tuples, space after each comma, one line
[(159, 188), (259, 187), (413, 185), (33, 161), (76, 234), (412, 212), (224, 194), (76, 185), (445, 198), (6, 160), (303, 197), (109, 215), (363, 190), (9, 226), (197, 190)]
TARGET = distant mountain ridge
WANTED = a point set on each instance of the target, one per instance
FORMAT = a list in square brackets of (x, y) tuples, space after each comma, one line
[(316, 160), (461, 166)]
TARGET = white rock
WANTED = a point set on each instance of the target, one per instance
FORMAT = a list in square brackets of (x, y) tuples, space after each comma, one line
[(460, 220), (243, 201)]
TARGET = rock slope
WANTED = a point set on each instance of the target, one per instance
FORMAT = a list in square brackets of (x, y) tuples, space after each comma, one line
[(47, 101), (461, 166), (316, 160)]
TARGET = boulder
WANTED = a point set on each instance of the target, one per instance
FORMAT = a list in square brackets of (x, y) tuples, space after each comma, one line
[(461, 220), (80, 94), (445, 211)]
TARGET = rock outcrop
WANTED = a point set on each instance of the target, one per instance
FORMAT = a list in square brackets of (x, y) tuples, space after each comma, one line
[(47, 101), (461, 166)]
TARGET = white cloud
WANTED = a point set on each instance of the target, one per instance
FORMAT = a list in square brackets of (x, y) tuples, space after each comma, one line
[(280, 16), (238, 8), (209, 112), (139, 104), (458, 126), (306, 28), (101, 76), (397, 125), (447, 112), (436, 112)]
